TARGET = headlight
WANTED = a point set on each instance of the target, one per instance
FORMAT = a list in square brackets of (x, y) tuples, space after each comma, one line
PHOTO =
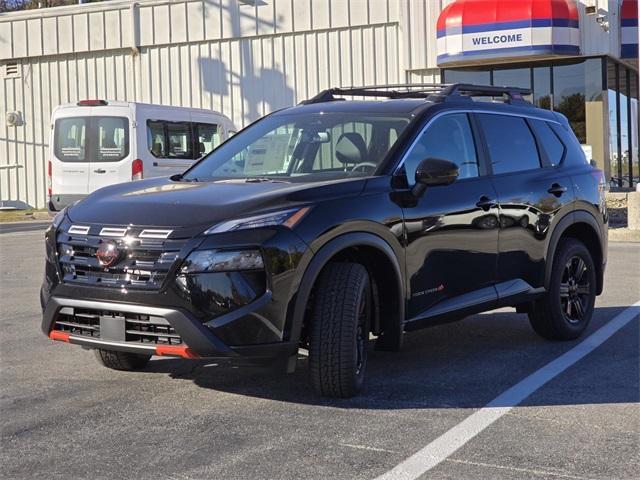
[(222, 261), (287, 218)]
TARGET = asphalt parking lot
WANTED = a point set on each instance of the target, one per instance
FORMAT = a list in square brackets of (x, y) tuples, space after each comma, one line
[(63, 416)]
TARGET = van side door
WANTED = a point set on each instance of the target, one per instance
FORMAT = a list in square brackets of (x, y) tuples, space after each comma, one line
[(170, 147)]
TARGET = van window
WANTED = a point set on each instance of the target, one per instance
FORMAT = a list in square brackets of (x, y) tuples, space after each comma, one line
[(207, 138), (112, 139), (70, 139), (91, 139), (511, 145), (155, 139), (179, 140), (182, 139)]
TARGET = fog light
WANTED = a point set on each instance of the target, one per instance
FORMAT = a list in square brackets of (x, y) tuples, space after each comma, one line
[(222, 261)]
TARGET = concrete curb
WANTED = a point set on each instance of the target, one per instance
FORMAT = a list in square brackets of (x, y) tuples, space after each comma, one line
[(24, 226), (624, 235)]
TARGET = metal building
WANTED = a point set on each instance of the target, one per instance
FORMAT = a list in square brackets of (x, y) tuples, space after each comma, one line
[(244, 58)]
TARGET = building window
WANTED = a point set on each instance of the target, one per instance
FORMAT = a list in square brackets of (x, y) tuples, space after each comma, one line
[(542, 87), (599, 97)]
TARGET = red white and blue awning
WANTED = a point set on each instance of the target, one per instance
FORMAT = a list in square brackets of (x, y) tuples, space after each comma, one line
[(472, 30), (629, 29)]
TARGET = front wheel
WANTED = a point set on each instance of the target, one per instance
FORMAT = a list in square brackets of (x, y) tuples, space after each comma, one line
[(565, 311), (339, 330)]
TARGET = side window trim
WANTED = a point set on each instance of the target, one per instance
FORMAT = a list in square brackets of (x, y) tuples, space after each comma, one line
[(562, 141), (543, 157), (484, 161), (545, 162)]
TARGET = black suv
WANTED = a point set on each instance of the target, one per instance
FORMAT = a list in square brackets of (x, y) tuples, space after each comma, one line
[(324, 224)]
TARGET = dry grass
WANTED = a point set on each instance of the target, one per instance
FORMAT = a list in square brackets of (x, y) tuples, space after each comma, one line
[(7, 216)]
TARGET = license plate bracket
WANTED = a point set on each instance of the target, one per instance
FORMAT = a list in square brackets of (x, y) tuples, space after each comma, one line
[(113, 328)]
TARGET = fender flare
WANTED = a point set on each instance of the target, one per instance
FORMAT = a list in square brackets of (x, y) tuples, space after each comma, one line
[(323, 256), (578, 216)]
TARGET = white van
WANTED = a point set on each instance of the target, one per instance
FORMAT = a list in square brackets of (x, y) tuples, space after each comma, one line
[(96, 143)]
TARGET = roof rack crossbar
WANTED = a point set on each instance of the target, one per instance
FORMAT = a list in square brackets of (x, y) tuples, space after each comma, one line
[(513, 94), (430, 91), (418, 90)]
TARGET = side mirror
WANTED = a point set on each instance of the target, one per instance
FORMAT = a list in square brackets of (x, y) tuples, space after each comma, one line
[(432, 172)]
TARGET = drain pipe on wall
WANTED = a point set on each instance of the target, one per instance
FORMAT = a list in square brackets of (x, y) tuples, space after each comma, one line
[(134, 15)]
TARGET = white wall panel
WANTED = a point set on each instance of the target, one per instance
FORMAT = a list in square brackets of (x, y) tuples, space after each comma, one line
[(243, 60)]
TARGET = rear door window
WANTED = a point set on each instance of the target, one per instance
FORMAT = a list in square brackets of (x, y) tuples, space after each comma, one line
[(70, 139), (91, 139), (112, 139), (510, 141)]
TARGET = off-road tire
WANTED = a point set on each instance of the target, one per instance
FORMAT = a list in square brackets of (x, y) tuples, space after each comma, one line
[(122, 360), (339, 330), (548, 316)]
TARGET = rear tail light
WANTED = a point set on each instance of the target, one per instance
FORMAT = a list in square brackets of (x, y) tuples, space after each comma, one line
[(136, 170), (92, 103), (49, 178)]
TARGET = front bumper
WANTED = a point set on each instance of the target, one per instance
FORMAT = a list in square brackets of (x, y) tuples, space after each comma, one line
[(214, 315), (196, 339)]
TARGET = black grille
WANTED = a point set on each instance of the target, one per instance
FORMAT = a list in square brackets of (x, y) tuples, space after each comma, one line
[(146, 329), (143, 263)]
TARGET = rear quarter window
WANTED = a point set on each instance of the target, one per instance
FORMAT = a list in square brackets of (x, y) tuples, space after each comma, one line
[(575, 155), (549, 141)]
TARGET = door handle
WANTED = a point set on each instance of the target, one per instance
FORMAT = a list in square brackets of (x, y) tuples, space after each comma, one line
[(557, 189), (99, 170), (486, 203)]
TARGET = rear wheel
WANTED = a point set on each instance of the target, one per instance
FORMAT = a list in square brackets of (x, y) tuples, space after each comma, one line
[(122, 360), (339, 332), (565, 312)]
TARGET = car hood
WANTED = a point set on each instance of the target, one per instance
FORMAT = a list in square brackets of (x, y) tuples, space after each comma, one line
[(164, 202)]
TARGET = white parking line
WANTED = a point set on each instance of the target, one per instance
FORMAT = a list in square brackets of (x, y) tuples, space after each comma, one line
[(445, 445)]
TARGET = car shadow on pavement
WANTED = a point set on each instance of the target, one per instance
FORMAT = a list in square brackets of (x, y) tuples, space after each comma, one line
[(457, 365)]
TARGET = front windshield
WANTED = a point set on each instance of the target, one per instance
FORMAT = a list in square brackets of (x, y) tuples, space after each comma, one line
[(303, 147)]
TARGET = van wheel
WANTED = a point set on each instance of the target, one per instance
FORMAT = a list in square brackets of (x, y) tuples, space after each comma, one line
[(339, 333), (565, 311), (122, 360)]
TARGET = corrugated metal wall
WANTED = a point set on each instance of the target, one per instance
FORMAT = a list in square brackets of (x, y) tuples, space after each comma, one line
[(242, 60)]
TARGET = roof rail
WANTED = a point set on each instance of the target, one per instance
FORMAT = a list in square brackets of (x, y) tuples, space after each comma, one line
[(435, 92)]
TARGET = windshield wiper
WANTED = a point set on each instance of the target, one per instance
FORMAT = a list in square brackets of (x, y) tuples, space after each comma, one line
[(263, 179)]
